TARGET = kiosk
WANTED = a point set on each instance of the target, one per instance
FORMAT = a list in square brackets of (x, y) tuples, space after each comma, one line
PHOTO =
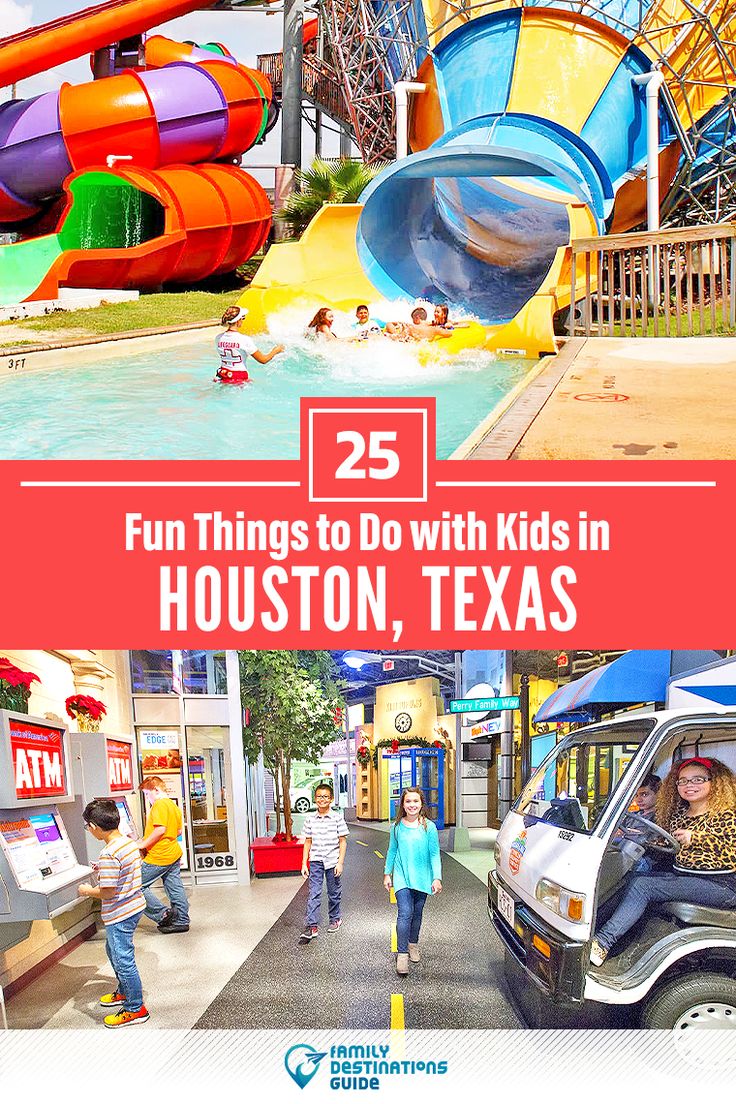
[(39, 869), (104, 766)]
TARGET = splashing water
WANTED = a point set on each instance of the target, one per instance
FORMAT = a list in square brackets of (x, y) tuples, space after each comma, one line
[(165, 405)]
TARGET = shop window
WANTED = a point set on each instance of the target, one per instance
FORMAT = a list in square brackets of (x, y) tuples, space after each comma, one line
[(152, 672), (203, 672), (209, 771)]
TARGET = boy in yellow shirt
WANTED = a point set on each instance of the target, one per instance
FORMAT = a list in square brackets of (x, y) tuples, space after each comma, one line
[(160, 845)]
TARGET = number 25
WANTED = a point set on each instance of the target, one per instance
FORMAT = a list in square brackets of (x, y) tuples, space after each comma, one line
[(376, 451)]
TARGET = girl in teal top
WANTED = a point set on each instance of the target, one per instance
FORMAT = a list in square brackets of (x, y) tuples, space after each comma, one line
[(414, 870)]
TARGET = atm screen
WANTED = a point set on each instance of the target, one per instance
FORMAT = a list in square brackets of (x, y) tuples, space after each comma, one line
[(46, 828), (36, 847), (127, 825)]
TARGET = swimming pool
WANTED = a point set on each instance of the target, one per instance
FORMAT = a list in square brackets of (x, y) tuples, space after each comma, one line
[(165, 405)]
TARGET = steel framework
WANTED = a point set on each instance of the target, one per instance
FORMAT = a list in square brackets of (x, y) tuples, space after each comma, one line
[(373, 43)]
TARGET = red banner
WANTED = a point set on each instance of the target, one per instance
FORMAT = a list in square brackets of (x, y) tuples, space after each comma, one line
[(119, 766), (369, 541), (38, 760)]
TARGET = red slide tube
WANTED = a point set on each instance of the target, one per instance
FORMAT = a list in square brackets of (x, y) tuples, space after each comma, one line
[(40, 48)]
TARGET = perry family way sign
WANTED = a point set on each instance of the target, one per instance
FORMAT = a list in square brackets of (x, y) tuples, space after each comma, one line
[(368, 540), (484, 705)]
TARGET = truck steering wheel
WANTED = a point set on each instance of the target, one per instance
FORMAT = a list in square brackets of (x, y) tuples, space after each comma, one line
[(669, 846)]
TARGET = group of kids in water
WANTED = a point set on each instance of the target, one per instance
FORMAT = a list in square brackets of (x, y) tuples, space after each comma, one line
[(365, 327), (234, 347)]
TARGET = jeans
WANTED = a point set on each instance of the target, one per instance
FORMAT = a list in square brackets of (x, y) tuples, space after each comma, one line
[(643, 890), (411, 906), (173, 888), (120, 951), (318, 872)]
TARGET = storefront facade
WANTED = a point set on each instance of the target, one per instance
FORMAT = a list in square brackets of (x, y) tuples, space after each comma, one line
[(188, 732), (172, 715)]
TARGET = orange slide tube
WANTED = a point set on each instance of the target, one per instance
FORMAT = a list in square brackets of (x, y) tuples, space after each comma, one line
[(214, 216), (244, 89), (40, 48)]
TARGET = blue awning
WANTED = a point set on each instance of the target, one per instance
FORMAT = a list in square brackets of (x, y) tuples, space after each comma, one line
[(635, 678)]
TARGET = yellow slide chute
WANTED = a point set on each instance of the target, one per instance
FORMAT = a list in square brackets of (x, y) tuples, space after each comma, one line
[(322, 269)]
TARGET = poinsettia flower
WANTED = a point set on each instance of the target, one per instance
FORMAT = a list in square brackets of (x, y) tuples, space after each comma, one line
[(14, 676), (84, 703)]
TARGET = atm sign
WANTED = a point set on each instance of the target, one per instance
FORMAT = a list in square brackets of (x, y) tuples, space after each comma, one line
[(119, 766), (38, 760)]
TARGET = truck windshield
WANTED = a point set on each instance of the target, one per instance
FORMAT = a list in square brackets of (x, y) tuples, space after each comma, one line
[(575, 783)]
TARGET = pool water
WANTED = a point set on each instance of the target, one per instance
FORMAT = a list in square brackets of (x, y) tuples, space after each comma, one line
[(165, 405)]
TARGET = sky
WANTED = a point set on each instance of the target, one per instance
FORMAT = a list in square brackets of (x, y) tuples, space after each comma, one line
[(245, 34)]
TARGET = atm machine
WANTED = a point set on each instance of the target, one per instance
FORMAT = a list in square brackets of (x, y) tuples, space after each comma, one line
[(39, 868), (103, 766)]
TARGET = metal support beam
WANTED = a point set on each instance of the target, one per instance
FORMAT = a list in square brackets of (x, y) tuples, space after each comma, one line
[(526, 743), (506, 758), (291, 95), (458, 743), (239, 801)]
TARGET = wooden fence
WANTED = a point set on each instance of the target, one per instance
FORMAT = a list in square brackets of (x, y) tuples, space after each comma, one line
[(671, 283)]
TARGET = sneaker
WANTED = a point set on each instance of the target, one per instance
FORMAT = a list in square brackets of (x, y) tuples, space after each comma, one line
[(111, 999), (169, 917), (167, 929), (335, 925), (308, 934), (123, 1018), (598, 953)]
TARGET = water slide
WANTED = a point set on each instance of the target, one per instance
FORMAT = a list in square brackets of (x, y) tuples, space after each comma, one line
[(531, 133), (134, 172)]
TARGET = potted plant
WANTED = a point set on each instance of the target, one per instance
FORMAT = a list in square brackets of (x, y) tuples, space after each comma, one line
[(15, 686), (87, 712), (290, 706)]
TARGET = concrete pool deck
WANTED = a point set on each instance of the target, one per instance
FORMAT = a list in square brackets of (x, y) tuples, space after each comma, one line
[(610, 398)]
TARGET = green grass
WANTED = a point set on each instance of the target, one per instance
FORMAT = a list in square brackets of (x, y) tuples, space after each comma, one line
[(723, 327), (150, 312)]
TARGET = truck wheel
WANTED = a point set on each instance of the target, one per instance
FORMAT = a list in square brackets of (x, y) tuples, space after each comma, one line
[(692, 1000)]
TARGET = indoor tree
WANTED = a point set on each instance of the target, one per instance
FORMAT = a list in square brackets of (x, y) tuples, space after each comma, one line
[(291, 700)]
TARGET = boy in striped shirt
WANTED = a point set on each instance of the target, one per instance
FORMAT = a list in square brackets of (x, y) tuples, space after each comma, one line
[(323, 857), (119, 890)]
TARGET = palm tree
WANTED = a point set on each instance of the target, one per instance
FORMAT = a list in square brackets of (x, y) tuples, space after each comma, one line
[(324, 182)]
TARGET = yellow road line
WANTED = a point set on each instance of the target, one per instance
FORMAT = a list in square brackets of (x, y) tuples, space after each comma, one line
[(394, 939), (397, 1012), (392, 895), (361, 844), (379, 854)]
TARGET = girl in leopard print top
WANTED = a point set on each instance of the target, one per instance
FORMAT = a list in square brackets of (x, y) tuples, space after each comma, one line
[(697, 803)]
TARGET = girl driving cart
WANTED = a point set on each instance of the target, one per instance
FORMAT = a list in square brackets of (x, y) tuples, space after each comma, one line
[(697, 804)]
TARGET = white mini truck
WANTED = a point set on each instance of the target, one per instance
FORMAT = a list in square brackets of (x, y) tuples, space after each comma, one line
[(563, 855)]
